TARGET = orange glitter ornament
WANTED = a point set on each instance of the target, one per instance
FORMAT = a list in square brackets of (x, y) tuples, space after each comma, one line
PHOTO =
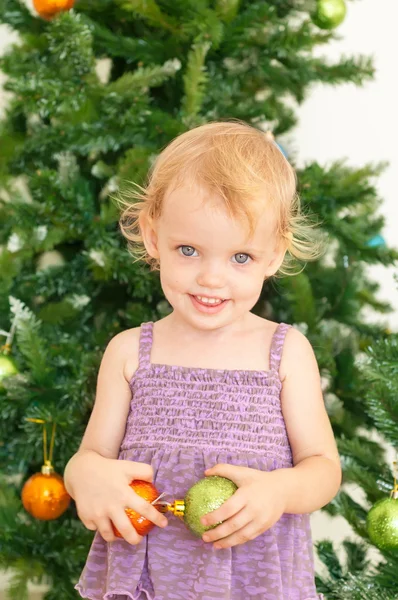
[(47, 9), (44, 495), (147, 491)]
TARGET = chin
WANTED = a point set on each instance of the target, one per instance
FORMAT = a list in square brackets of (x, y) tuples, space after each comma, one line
[(208, 322)]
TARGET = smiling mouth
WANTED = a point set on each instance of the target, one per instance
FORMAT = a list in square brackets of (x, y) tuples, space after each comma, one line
[(207, 304), (209, 301)]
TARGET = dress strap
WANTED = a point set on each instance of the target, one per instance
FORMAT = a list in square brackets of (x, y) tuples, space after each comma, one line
[(277, 342), (146, 338)]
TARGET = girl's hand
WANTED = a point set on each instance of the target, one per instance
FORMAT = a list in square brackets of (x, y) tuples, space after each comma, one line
[(257, 504), (100, 487)]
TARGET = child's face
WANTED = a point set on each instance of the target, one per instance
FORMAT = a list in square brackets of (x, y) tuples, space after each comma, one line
[(211, 273)]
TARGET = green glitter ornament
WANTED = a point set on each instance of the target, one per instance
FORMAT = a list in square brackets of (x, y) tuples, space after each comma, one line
[(382, 521), (329, 14), (203, 497), (7, 365)]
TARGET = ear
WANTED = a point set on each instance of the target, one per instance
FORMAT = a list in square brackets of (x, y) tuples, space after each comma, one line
[(277, 259), (149, 235)]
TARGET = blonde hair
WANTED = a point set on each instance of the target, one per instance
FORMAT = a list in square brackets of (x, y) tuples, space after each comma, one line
[(237, 162)]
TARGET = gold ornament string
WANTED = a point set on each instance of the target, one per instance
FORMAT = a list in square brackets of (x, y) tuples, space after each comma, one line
[(394, 493), (48, 455), (6, 349)]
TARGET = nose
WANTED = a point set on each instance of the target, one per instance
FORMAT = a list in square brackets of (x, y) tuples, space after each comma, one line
[(212, 275)]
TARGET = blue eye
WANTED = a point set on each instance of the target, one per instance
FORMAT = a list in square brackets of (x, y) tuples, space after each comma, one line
[(241, 258), (187, 250)]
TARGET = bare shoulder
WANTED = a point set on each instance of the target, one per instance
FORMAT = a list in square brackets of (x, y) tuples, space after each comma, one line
[(297, 354), (124, 347)]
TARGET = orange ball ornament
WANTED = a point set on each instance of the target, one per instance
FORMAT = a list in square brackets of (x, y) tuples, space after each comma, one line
[(47, 9), (147, 491), (44, 495)]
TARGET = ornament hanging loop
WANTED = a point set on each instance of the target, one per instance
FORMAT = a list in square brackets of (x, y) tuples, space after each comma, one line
[(48, 453), (394, 491), (6, 348)]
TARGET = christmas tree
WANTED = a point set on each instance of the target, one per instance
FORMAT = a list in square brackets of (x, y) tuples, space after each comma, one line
[(365, 465), (97, 91)]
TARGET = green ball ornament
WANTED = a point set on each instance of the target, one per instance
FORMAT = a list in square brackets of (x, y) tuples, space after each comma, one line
[(329, 14), (7, 367), (203, 497), (382, 523)]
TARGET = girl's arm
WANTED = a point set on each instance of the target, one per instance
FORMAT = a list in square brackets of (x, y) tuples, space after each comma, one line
[(316, 476), (94, 477)]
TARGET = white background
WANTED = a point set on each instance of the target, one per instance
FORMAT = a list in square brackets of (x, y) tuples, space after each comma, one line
[(360, 124)]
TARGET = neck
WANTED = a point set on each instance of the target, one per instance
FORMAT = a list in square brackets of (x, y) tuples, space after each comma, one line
[(182, 328)]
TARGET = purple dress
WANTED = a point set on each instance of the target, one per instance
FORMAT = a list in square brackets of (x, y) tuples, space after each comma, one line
[(181, 421)]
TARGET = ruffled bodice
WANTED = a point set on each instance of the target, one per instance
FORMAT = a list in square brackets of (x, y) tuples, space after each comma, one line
[(182, 421)]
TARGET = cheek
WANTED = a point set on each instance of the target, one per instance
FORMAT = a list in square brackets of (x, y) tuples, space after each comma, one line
[(252, 290), (250, 283), (173, 275)]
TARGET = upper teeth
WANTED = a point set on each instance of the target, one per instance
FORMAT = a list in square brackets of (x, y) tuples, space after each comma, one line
[(209, 300)]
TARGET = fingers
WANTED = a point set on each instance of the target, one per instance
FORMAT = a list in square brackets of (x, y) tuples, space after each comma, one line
[(88, 524), (227, 510), (101, 518), (137, 470), (104, 527), (125, 528), (144, 508), (229, 527), (241, 536), (237, 474), (86, 520)]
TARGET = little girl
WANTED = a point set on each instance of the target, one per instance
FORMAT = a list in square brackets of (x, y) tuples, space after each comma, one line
[(211, 389)]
